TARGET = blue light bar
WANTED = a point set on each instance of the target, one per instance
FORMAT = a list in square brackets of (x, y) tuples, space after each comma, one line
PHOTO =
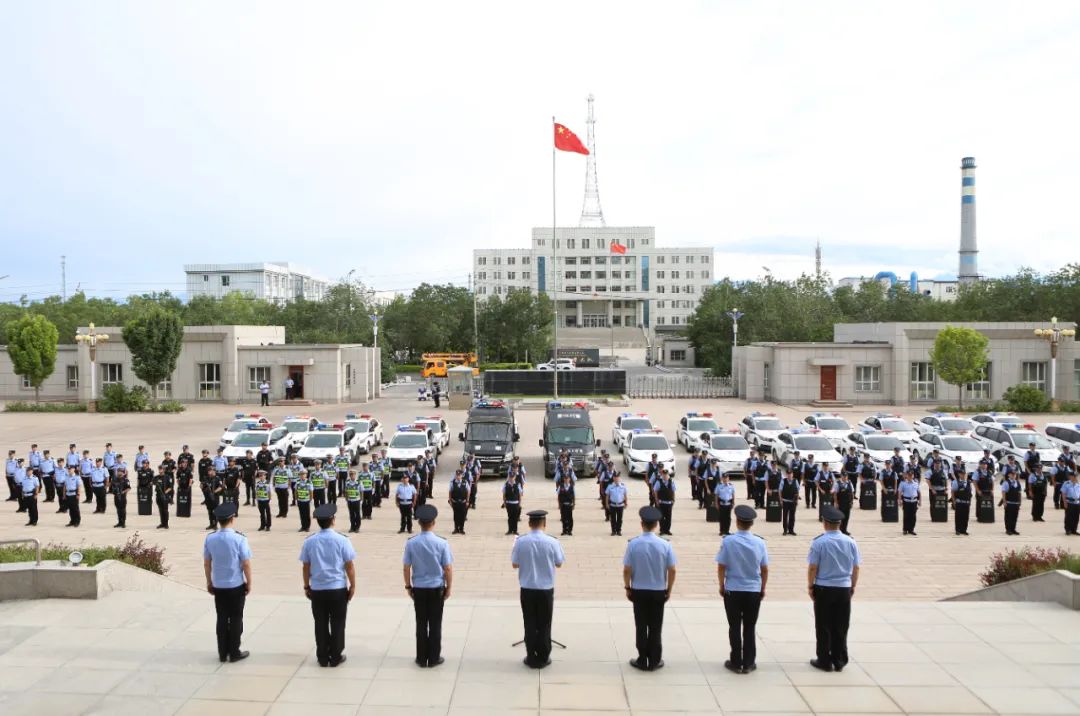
[(350, 416), (238, 415)]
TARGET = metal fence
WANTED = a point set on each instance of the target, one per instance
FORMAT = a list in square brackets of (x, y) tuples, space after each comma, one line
[(680, 386)]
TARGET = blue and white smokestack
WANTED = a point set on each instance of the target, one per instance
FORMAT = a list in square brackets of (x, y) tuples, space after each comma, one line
[(969, 250)]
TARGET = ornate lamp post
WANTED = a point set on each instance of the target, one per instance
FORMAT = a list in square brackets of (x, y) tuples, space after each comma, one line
[(734, 315), (91, 338), (1053, 334)]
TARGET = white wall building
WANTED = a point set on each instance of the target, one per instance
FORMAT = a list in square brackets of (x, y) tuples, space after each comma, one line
[(936, 288), (273, 281), (595, 288)]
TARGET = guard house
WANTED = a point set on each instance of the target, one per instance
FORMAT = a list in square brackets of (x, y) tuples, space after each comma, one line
[(459, 387)]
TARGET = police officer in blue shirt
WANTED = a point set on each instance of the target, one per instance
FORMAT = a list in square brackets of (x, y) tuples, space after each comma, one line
[(72, 485), (832, 575), (48, 476), (536, 556), (911, 498), (143, 456), (9, 472), (725, 501), (742, 568), (108, 459), (405, 497), (30, 486), (220, 462), (429, 574), (227, 563), (1070, 495), (649, 576), (615, 502), (99, 478), (330, 584)]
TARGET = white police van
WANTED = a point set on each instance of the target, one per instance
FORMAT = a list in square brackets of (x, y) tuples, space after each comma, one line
[(276, 439), (325, 440), (408, 445)]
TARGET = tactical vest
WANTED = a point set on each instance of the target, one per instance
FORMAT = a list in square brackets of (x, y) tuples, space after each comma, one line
[(963, 492), (303, 493), (341, 462), (318, 481), (262, 491), (281, 478), (352, 490)]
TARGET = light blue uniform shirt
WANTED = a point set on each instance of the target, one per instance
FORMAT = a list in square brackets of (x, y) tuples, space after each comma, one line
[(29, 483), (835, 555), (48, 466), (109, 458), (537, 555), (909, 491), (20, 473), (743, 554), (98, 476), (11, 465), (616, 494), (86, 466), (220, 463), (1071, 492), (34, 458), (429, 555), (140, 458), (404, 493), (227, 550), (649, 559), (327, 552), (725, 493), (71, 484)]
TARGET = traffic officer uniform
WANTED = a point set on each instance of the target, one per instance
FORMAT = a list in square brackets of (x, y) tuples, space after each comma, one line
[(833, 561), (789, 502), (1070, 495), (29, 487), (163, 485), (341, 463), (329, 582), (227, 559), (428, 576), (405, 497), (962, 493), (303, 490), (536, 556), (1011, 492), (567, 497), (910, 497), (72, 485), (615, 499), (648, 576), (353, 497), (262, 500), (1036, 492), (743, 571), (318, 484), (367, 491), (725, 501), (843, 497), (120, 486), (280, 477), (511, 502), (665, 500)]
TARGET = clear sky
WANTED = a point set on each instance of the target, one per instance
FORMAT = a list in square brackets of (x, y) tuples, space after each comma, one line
[(392, 137)]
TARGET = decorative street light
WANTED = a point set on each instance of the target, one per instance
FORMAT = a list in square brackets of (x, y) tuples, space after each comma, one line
[(1053, 334), (91, 338), (734, 314)]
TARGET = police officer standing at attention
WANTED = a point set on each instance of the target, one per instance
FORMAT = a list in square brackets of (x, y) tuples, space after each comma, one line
[(405, 497), (330, 583), (120, 486), (742, 568), (844, 496), (429, 574), (649, 576), (457, 497), (163, 485), (72, 486), (831, 576), (665, 500), (227, 563), (353, 496), (911, 498), (212, 489), (29, 487), (615, 502), (789, 502), (536, 556), (1036, 493), (1011, 492), (1070, 495), (566, 496), (725, 500), (511, 502), (961, 501)]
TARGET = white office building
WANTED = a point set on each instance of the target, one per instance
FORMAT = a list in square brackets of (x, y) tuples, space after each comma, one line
[(273, 281), (593, 287)]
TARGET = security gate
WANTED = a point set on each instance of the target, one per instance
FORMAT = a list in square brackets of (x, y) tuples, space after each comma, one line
[(680, 386)]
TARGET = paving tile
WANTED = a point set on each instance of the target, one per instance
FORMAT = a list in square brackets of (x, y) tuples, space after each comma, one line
[(989, 673), (29, 703), (263, 663), (598, 697), (802, 674), (924, 674), (161, 684), (493, 695), (284, 709), (210, 707), (687, 698), (182, 660), (323, 691), (23, 678), (848, 699), (93, 681), (785, 699), (128, 705), (229, 687), (1009, 699), (384, 692), (936, 699)]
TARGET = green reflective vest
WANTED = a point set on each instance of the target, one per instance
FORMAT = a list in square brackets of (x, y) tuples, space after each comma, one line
[(352, 490), (281, 477), (262, 491), (303, 492), (366, 482), (318, 480), (341, 462)]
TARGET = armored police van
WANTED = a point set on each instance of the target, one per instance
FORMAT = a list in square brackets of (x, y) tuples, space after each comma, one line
[(567, 427), (489, 436)]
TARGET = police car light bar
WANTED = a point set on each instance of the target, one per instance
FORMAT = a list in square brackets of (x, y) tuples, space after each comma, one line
[(429, 417), (706, 415), (1029, 426), (239, 415), (339, 426), (350, 416), (290, 417), (689, 415), (624, 415), (365, 415), (263, 426)]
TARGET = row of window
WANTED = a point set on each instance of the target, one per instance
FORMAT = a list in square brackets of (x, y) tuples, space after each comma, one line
[(674, 288), (209, 375), (497, 260), (588, 244), (674, 304), (497, 275), (923, 381), (673, 320), (602, 275)]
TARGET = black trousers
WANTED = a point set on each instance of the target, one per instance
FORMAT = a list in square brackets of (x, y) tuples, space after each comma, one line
[(649, 625), (428, 605), (566, 516), (1012, 512), (750, 486), (264, 400), (88, 489), (961, 515), (665, 517), (461, 511), (99, 498), (264, 513), (329, 608), (29, 504), (365, 505), (229, 604), (249, 490), (406, 516), (847, 517), (811, 492), (120, 503), (304, 508), (163, 510), (537, 606), (911, 512), (13, 489), (354, 514), (318, 496), (759, 494), (742, 614), (74, 516), (282, 501), (1072, 518), (1038, 505), (211, 503), (725, 518), (832, 615), (50, 487), (616, 518), (787, 516), (1057, 495), (61, 499), (513, 516)]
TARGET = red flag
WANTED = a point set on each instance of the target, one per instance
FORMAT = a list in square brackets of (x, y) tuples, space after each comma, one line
[(567, 141), (617, 248)]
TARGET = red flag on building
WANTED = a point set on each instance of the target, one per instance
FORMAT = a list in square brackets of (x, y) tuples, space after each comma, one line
[(617, 248), (567, 141)]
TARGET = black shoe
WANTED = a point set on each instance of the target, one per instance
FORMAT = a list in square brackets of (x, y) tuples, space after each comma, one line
[(401, 532), (223, 658), (30, 524), (639, 664), (341, 660), (437, 662), (655, 667), (211, 527), (526, 661), (792, 533), (543, 664), (748, 669), (731, 666), (324, 663), (824, 666), (913, 533), (161, 527), (239, 656), (421, 663), (837, 666)]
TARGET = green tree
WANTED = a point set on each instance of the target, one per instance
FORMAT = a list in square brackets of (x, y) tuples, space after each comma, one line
[(959, 356), (32, 348), (154, 339)]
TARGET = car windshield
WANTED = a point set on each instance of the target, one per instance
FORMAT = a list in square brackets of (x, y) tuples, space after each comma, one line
[(955, 424), (238, 425), (360, 426), (297, 426), (434, 427), (250, 439), (636, 424), (409, 440), (812, 443), (487, 432), (768, 424), (729, 442), (895, 424), (882, 443), (701, 425), (570, 436), (649, 442), (833, 424), (323, 440), (961, 444), (1041, 443)]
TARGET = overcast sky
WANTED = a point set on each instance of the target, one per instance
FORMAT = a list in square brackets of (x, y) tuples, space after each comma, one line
[(392, 138)]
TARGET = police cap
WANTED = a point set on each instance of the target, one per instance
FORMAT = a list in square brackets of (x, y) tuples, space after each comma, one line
[(537, 514), (427, 513), (326, 511), (225, 510), (745, 513), (648, 513), (832, 515)]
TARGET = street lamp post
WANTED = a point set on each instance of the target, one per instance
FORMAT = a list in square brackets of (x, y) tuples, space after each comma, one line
[(91, 338), (375, 329), (1054, 334), (734, 314)]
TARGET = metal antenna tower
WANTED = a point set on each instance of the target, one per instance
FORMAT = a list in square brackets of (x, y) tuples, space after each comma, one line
[(591, 213), (63, 277), (817, 258)]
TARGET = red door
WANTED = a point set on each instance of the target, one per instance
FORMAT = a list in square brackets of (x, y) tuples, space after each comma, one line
[(828, 382)]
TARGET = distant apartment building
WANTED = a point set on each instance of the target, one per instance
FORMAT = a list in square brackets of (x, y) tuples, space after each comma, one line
[(273, 281)]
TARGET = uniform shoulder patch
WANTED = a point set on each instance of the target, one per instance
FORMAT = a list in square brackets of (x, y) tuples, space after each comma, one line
[(818, 537)]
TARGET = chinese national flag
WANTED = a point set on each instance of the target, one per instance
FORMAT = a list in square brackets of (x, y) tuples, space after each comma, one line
[(617, 248), (567, 141)]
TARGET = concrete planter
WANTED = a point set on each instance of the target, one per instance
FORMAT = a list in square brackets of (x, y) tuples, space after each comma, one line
[(59, 580), (1056, 586)]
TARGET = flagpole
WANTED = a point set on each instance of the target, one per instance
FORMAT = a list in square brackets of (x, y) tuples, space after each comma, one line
[(554, 265)]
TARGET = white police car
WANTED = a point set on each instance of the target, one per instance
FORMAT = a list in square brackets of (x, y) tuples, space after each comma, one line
[(831, 425), (368, 430), (879, 446), (1006, 439), (728, 447), (437, 426), (949, 446), (691, 427), (326, 439), (276, 439), (626, 424), (808, 441), (640, 447), (241, 422), (944, 423), (298, 426), (761, 429), (408, 445), (1064, 435), (894, 424), (995, 417)]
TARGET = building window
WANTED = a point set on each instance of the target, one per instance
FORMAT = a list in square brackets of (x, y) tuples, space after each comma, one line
[(498, 260), (111, 373), (585, 289), (225, 280), (661, 274), (586, 274), (616, 274), (526, 275), (660, 289), (660, 259), (164, 388), (209, 381), (1033, 373), (704, 274), (511, 275), (674, 259), (526, 260), (570, 274), (482, 261), (25, 383), (599, 260), (675, 274), (570, 244), (601, 275), (660, 320), (586, 260), (633, 243), (511, 260), (980, 389), (584, 244), (616, 260), (73, 377), (206, 277), (674, 289), (677, 354), (923, 383), (570, 261), (348, 376), (498, 276), (765, 381), (867, 379), (601, 287), (256, 375), (571, 289)]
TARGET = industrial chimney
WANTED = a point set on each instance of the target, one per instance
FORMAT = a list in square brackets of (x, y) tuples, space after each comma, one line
[(969, 250)]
